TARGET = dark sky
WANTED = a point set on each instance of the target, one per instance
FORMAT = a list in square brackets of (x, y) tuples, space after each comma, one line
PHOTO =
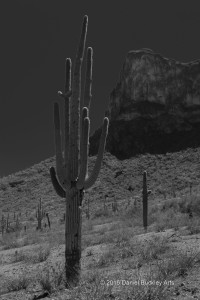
[(37, 36)]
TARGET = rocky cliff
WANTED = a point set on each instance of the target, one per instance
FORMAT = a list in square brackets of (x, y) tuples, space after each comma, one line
[(154, 108)]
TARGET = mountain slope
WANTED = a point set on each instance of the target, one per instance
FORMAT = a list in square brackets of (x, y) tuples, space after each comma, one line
[(20, 192)]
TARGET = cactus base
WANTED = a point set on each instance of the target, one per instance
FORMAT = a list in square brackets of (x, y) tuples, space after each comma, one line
[(72, 268)]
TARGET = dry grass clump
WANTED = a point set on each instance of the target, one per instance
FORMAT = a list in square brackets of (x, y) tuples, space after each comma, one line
[(52, 277), (10, 241), (190, 204), (194, 226), (41, 254), (170, 219), (20, 239), (152, 249), (18, 283), (123, 234), (175, 213), (106, 258), (178, 263), (98, 286), (99, 213)]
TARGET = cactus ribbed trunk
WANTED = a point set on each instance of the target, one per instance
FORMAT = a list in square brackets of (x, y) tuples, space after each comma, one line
[(71, 179), (73, 237)]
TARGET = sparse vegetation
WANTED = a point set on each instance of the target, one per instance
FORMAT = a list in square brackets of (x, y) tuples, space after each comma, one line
[(151, 249), (52, 277), (114, 245), (19, 283)]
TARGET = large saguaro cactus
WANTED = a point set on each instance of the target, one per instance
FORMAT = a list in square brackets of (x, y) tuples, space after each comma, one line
[(70, 179)]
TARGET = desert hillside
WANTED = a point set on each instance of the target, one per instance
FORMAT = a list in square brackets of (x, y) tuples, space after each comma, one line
[(114, 243), (120, 179)]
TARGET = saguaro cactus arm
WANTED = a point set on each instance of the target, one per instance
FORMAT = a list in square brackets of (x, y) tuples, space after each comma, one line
[(58, 188), (84, 154), (87, 93), (88, 78), (67, 94), (92, 178), (58, 144), (85, 114)]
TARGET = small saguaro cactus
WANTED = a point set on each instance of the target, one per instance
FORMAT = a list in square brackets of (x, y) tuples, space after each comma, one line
[(104, 202), (128, 203), (40, 214), (7, 223), (190, 188), (70, 179), (145, 193), (114, 205), (3, 224), (48, 220), (173, 190), (17, 223)]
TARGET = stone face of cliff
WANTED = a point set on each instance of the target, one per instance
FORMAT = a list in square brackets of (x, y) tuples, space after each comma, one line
[(154, 108)]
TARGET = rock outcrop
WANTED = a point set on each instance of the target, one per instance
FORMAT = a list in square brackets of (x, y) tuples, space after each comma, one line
[(154, 108)]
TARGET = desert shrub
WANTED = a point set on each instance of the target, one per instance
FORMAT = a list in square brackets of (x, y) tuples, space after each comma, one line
[(133, 210), (106, 258), (178, 263), (41, 254), (153, 248), (18, 256), (90, 287), (52, 277), (97, 286), (190, 204), (56, 237), (19, 283), (170, 204), (101, 213), (194, 226), (115, 236), (10, 240), (170, 219)]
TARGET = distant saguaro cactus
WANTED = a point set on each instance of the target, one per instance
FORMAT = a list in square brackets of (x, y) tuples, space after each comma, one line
[(190, 188), (40, 214), (104, 202), (145, 194), (7, 223), (48, 220), (17, 223), (3, 224), (72, 178), (114, 205)]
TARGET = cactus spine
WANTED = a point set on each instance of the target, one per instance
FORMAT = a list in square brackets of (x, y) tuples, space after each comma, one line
[(70, 179), (145, 193)]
